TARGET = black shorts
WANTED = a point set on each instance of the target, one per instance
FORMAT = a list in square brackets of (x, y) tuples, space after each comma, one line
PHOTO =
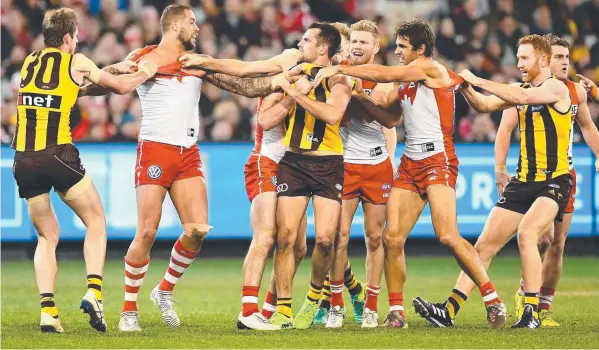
[(519, 196), (37, 172), (306, 176)]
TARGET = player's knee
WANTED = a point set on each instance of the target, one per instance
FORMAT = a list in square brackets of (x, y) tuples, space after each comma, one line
[(485, 251), (557, 247), (50, 237), (527, 237), (393, 242), (284, 239), (146, 235), (449, 240), (325, 244), (374, 241)]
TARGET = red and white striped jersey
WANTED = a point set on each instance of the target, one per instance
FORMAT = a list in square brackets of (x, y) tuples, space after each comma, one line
[(269, 143)]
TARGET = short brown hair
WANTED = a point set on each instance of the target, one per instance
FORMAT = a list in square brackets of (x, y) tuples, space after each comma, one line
[(556, 40), (342, 28), (418, 33), (366, 26), (56, 24), (539, 43), (172, 13)]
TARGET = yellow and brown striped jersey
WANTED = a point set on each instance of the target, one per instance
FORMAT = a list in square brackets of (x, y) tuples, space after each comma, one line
[(544, 142), (306, 132), (46, 96)]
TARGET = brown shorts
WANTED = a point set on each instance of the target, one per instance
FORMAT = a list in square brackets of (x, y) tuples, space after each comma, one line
[(57, 166), (306, 176)]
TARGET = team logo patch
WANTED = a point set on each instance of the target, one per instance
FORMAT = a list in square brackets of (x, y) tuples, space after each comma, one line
[(282, 188), (501, 200), (386, 187), (154, 172), (273, 180)]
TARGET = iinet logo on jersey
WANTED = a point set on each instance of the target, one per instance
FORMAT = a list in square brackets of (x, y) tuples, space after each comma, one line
[(39, 100), (311, 138)]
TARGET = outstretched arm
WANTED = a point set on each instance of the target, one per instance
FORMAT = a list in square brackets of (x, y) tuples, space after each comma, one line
[(386, 111), (552, 91), (124, 67), (374, 72), (482, 103), (248, 87), (584, 120), (590, 87)]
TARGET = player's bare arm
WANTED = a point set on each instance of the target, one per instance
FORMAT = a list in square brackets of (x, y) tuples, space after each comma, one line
[(248, 87), (275, 107), (386, 111), (590, 87), (375, 72), (83, 68), (483, 103), (333, 109), (271, 66), (584, 120), (124, 67), (551, 91), (509, 121)]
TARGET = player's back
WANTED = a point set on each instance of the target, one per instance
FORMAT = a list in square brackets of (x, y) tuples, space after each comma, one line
[(170, 105), (47, 93), (428, 118)]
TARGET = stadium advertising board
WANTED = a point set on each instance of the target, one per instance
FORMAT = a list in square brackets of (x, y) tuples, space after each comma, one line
[(111, 166)]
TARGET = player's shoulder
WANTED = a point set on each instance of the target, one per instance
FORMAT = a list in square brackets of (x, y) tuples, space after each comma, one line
[(138, 53), (81, 61), (580, 91)]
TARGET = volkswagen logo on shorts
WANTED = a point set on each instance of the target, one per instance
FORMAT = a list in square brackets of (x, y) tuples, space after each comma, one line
[(154, 172), (282, 188)]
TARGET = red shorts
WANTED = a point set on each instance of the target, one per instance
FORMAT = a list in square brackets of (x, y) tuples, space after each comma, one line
[(418, 175), (370, 182), (163, 164), (569, 209), (260, 175)]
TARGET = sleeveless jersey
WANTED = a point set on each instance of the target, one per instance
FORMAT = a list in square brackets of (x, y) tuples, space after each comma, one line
[(47, 94), (544, 142), (363, 141), (170, 105), (428, 118), (269, 143), (574, 110), (305, 131)]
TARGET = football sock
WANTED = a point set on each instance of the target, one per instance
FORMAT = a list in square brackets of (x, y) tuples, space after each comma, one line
[(270, 304), (325, 300), (372, 295), (134, 277), (396, 303), (455, 302), (546, 298), (337, 293), (181, 258), (532, 299), (353, 286), (284, 306), (314, 292), (249, 300), (489, 294), (94, 283), (48, 304)]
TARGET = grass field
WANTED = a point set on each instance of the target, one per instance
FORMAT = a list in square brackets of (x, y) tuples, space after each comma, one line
[(209, 296)]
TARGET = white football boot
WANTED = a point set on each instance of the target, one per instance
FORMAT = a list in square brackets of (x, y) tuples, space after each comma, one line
[(164, 300)]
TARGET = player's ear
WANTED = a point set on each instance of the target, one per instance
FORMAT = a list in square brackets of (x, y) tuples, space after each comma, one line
[(376, 49)]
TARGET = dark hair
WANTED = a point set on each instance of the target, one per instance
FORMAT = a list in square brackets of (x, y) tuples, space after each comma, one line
[(418, 33), (56, 24), (556, 40), (171, 14), (328, 35)]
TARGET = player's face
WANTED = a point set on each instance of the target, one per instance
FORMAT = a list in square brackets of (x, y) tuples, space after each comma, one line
[(308, 45), (362, 47), (405, 51), (343, 54), (528, 62), (560, 61), (189, 30)]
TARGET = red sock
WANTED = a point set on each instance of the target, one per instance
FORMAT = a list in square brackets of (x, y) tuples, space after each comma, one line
[(489, 294), (249, 300), (546, 298), (372, 295), (181, 258), (270, 304), (134, 277), (337, 293), (396, 303)]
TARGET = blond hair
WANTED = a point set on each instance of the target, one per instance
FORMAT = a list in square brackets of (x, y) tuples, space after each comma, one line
[(366, 26), (342, 28)]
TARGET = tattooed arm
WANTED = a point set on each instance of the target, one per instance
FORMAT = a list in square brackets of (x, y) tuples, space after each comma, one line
[(248, 87), (124, 67)]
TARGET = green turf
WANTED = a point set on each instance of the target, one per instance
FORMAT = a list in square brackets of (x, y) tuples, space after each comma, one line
[(209, 296)]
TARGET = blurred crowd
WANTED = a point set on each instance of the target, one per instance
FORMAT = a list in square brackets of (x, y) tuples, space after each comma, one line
[(480, 35)]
